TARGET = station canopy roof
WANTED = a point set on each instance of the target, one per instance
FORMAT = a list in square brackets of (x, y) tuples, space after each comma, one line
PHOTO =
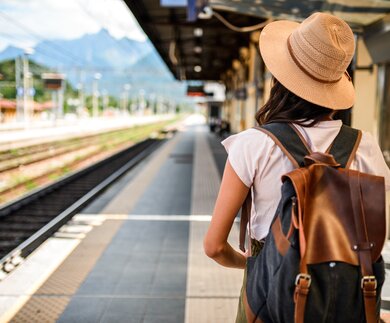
[(357, 13), (205, 48)]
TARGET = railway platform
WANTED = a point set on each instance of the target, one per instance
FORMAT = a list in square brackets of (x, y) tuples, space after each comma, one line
[(135, 254), (18, 135)]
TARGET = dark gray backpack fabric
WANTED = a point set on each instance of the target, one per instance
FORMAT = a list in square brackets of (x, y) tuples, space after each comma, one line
[(335, 293)]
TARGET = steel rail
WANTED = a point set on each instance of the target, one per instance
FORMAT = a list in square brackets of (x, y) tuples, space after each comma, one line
[(137, 153)]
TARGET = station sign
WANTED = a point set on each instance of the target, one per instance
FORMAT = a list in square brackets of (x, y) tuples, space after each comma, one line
[(52, 81), (195, 90), (19, 91), (30, 91), (193, 7), (173, 3)]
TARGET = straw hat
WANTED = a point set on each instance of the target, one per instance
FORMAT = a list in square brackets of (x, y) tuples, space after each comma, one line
[(310, 59)]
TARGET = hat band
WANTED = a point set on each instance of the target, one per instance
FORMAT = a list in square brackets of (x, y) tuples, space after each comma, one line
[(303, 69)]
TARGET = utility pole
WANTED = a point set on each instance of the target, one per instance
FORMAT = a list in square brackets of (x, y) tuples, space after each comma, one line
[(61, 93), (105, 100), (54, 100), (152, 99), (158, 104), (142, 101), (19, 88), (80, 88), (26, 107), (56, 84), (126, 88), (95, 98)]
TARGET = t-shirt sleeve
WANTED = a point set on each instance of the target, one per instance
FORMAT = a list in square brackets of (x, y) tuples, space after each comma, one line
[(244, 152), (370, 159)]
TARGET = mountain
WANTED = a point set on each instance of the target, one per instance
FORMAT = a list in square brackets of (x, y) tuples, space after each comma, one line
[(92, 50), (149, 74), (118, 61), (10, 52)]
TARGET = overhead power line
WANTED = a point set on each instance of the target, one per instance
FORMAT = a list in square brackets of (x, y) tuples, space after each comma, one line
[(51, 55), (87, 11), (55, 56), (64, 52)]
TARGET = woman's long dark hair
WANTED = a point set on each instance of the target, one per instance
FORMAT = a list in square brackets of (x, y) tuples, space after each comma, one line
[(285, 106)]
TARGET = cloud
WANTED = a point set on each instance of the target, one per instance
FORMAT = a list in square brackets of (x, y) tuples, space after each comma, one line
[(24, 22)]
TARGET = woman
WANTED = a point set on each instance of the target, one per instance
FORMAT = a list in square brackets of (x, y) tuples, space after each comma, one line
[(308, 62)]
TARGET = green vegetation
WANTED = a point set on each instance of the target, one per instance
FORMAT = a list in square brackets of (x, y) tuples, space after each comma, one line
[(8, 86), (53, 176), (109, 142), (8, 82), (30, 185), (8, 91), (65, 170), (7, 70)]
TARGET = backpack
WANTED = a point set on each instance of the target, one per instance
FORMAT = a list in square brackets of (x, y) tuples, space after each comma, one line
[(321, 261)]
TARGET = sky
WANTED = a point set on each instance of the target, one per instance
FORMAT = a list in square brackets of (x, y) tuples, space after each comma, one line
[(23, 23)]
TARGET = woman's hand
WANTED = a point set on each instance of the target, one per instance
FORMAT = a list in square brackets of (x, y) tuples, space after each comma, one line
[(232, 194), (246, 254)]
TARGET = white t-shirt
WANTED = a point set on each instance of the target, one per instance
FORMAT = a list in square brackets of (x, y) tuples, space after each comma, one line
[(258, 161)]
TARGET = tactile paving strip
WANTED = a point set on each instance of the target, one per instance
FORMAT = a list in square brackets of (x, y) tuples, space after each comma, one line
[(206, 179), (42, 309), (212, 290), (50, 300)]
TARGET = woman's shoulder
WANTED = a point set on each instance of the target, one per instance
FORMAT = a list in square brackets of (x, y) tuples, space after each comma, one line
[(368, 144), (370, 159), (247, 151)]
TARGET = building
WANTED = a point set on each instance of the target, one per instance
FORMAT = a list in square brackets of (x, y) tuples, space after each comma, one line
[(217, 40)]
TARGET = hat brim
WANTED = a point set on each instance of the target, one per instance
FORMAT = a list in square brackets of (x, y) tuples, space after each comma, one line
[(273, 47)]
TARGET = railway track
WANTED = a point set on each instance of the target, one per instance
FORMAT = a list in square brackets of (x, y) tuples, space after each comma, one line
[(14, 158), (24, 169), (30, 220)]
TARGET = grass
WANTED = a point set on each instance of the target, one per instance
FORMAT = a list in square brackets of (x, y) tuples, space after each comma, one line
[(30, 185), (15, 152), (65, 170), (105, 142), (53, 176)]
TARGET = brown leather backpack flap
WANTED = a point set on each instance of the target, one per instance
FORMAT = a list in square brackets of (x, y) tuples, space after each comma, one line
[(324, 199)]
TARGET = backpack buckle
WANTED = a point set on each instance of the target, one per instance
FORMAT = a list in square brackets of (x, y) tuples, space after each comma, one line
[(303, 276), (368, 279)]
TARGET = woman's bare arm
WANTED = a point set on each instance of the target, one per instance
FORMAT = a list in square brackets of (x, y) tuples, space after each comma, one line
[(231, 196)]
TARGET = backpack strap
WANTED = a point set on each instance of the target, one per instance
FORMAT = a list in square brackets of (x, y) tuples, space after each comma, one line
[(244, 221), (289, 141), (363, 247), (294, 146), (345, 145)]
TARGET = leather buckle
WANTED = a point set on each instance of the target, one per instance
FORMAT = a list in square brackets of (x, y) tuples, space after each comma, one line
[(368, 279), (305, 277)]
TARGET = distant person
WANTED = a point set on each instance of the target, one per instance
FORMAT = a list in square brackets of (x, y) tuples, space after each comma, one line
[(308, 62)]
